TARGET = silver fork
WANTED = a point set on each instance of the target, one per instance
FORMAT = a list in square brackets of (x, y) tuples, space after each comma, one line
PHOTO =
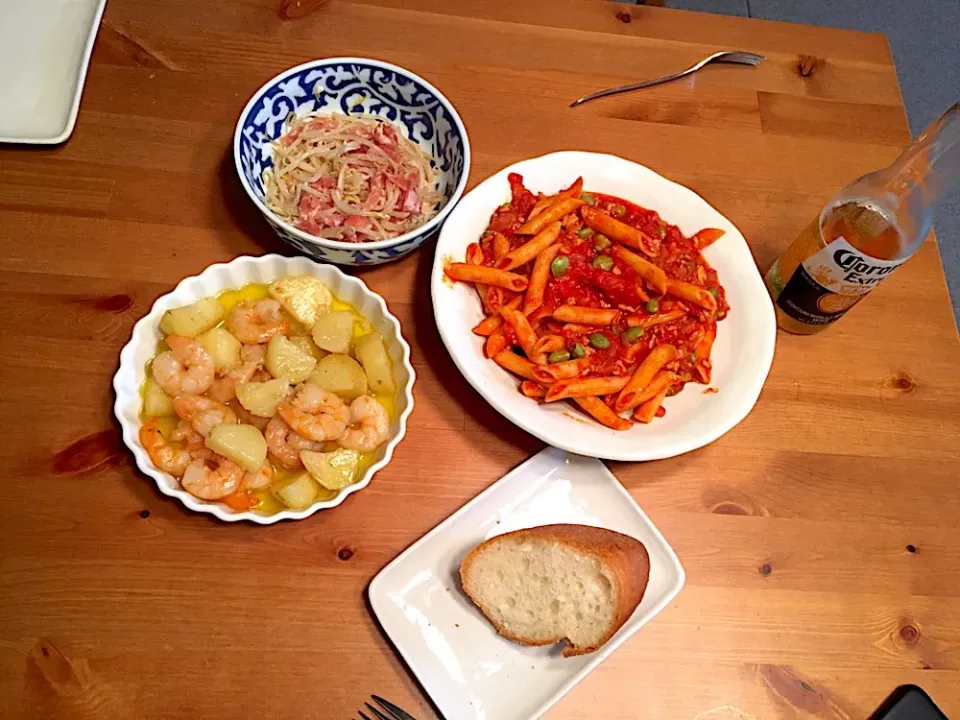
[(736, 57), (393, 712)]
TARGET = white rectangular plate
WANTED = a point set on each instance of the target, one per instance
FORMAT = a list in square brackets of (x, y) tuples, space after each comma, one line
[(470, 671), (45, 48)]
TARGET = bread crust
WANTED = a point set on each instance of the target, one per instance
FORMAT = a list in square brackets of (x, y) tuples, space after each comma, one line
[(625, 557)]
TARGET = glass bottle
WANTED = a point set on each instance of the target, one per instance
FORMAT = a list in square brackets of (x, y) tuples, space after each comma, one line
[(870, 228)]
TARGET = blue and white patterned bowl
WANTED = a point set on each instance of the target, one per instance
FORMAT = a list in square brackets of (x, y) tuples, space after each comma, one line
[(354, 86)]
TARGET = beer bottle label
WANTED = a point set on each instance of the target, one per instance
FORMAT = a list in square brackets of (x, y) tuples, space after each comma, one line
[(831, 281)]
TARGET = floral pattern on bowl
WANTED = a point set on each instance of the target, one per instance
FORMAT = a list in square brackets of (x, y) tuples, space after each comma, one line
[(354, 86)]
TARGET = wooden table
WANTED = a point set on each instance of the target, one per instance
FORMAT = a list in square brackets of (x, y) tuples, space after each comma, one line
[(819, 536)]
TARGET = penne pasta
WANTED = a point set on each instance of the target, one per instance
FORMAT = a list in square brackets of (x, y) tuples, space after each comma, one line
[(646, 321), (533, 390), (585, 315), (661, 381), (509, 360), (548, 374), (538, 279), (581, 278), (692, 293), (528, 251), (486, 326), (654, 276), (501, 246), (495, 343), (492, 322), (474, 254), (602, 413), (706, 237), (600, 222), (557, 210), (651, 365), (549, 343), (525, 333), (647, 411), (585, 387), (486, 275)]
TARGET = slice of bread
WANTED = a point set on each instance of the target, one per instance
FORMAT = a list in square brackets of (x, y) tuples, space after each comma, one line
[(545, 584)]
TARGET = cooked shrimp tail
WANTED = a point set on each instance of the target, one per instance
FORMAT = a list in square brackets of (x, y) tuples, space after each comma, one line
[(202, 413), (212, 478), (369, 425), (257, 322), (315, 413), (187, 368), (166, 457)]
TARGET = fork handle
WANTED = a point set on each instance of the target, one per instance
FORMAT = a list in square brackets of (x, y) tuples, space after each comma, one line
[(633, 86)]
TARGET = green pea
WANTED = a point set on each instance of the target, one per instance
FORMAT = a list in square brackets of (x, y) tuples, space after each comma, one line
[(558, 356), (652, 305), (505, 206), (601, 242), (588, 198), (693, 358), (585, 232), (618, 210), (560, 265), (631, 335), (599, 341), (579, 351), (721, 315), (714, 291), (604, 262), (662, 232)]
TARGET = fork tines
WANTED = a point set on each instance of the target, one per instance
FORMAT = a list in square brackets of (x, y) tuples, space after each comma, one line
[(394, 712)]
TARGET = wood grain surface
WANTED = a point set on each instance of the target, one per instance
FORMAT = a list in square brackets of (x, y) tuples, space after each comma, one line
[(820, 536)]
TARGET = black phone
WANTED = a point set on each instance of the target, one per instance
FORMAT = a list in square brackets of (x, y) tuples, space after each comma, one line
[(908, 702)]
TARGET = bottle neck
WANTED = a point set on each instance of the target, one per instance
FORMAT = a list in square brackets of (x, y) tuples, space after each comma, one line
[(930, 166)]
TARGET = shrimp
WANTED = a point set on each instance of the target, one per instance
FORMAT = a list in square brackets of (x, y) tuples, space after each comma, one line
[(285, 444), (187, 368), (224, 388), (315, 413), (193, 440), (212, 478), (166, 457), (369, 425), (259, 479), (203, 413), (257, 322), (246, 417)]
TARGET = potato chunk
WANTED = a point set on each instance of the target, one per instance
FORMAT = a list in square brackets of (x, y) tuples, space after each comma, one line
[(262, 398), (298, 492), (156, 403), (303, 296), (243, 444), (307, 344), (334, 470), (371, 351), (287, 360), (340, 374), (334, 331), (191, 320), (223, 346)]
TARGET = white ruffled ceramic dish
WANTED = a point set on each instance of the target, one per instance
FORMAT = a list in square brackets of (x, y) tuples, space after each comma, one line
[(235, 274), (741, 355)]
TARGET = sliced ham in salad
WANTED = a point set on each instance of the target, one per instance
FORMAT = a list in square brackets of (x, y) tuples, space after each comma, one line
[(350, 178)]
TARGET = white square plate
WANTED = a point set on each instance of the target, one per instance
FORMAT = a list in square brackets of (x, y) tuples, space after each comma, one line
[(45, 48), (470, 671)]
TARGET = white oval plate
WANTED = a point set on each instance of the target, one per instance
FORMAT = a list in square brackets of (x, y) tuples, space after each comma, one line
[(237, 273), (741, 356)]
